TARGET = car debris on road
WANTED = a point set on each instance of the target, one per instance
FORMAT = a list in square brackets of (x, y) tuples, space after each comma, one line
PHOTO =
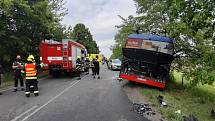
[(161, 100), (190, 118), (143, 109)]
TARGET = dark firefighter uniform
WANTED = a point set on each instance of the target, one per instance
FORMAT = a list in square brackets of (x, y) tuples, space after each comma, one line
[(87, 65), (17, 67), (31, 76), (78, 67), (92, 66), (107, 63), (96, 68)]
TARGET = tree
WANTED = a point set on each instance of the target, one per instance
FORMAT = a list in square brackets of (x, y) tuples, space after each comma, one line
[(82, 35), (58, 9), (191, 23), (125, 29), (24, 23)]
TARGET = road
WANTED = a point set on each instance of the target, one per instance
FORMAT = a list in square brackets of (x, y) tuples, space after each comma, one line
[(69, 99)]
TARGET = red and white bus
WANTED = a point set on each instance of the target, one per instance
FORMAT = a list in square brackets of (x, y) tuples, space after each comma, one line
[(147, 59)]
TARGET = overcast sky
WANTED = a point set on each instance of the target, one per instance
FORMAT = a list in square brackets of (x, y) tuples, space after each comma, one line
[(100, 16)]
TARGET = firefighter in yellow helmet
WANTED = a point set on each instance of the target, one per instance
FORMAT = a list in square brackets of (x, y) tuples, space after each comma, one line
[(31, 76)]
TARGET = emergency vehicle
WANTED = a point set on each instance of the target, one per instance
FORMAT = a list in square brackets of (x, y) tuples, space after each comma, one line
[(60, 56), (147, 59), (91, 56)]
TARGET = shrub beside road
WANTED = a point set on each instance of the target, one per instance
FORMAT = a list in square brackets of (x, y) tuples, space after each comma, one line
[(8, 79)]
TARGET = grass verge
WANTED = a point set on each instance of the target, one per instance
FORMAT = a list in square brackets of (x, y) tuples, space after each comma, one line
[(197, 101), (8, 79)]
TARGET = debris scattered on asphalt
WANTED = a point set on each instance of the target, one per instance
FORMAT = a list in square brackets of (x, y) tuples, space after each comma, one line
[(143, 109), (161, 100), (190, 118), (213, 113)]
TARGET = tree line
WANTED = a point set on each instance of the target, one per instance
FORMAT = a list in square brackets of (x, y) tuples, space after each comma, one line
[(25, 23), (189, 22)]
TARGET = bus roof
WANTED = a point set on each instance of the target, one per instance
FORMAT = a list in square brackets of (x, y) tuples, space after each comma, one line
[(150, 37)]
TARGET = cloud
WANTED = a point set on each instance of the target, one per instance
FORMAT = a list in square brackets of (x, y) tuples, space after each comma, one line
[(100, 16), (105, 43)]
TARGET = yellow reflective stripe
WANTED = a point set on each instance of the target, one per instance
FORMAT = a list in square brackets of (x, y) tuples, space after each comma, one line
[(31, 77), (29, 69), (32, 74)]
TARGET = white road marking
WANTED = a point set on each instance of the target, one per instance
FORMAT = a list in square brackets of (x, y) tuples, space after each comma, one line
[(18, 117), (73, 82), (44, 105)]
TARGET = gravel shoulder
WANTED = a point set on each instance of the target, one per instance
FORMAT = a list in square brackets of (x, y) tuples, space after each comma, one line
[(135, 96)]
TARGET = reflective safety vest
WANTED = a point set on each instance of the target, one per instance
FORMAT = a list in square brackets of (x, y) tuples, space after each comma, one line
[(30, 70)]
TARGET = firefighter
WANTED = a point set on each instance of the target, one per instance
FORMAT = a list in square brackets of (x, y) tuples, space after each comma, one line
[(107, 62), (96, 67), (92, 66), (78, 67), (87, 65), (17, 67), (78, 61), (31, 76)]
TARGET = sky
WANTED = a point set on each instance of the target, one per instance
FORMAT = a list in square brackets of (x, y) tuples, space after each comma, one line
[(100, 16)]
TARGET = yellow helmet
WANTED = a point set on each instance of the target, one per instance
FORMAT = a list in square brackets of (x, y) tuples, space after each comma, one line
[(30, 58), (79, 57)]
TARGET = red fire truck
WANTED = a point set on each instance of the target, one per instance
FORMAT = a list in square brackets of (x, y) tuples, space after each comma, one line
[(60, 56)]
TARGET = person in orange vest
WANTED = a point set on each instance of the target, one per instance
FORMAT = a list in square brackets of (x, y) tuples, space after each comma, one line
[(31, 82)]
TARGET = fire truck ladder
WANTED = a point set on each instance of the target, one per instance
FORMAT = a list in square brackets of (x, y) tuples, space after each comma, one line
[(65, 55)]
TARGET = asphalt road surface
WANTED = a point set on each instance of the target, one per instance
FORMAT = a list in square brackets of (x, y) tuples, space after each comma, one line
[(69, 99)]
